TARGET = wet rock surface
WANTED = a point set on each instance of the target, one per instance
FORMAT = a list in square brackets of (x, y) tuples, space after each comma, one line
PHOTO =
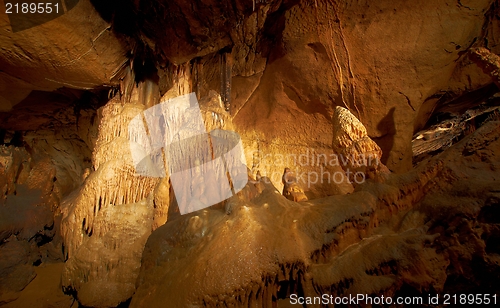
[(420, 233), (412, 85)]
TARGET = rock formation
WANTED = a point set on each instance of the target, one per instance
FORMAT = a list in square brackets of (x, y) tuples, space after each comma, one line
[(77, 50), (356, 152), (291, 189), (408, 235), (488, 62), (106, 222), (385, 112)]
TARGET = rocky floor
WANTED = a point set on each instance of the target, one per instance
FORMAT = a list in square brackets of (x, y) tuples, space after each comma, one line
[(431, 231)]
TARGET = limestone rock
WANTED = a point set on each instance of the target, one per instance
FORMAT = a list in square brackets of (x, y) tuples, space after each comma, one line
[(214, 114), (77, 50), (291, 189), (16, 266), (30, 194), (440, 136), (404, 234), (25, 216), (105, 267), (13, 162), (488, 62), (356, 151), (430, 229), (106, 222)]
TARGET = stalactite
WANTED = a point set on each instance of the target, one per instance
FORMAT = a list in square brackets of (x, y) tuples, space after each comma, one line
[(226, 65), (198, 77), (149, 93), (114, 181), (181, 79), (134, 187), (127, 83)]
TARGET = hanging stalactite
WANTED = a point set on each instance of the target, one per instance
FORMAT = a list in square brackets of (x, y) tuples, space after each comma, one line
[(198, 76), (226, 65), (127, 83)]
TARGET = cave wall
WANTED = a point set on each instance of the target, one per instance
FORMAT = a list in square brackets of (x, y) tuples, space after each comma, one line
[(429, 231), (76, 50), (294, 60), (292, 63)]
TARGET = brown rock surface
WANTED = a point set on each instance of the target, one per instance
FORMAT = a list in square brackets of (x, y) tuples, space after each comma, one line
[(291, 189), (106, 222), (76, 50), (488, 62), (356, 152), (299, 81), (44, 291), (360, 59), (413, 233), (291, 55), (16, 267)]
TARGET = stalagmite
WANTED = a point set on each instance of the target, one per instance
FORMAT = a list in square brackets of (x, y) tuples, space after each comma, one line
[(105, 223), (357, 153), (291, 189)]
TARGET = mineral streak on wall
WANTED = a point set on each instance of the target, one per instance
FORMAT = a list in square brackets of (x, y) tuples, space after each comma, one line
[(226, 66)]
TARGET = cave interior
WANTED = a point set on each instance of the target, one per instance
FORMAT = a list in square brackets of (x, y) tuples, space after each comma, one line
[(237, 153)]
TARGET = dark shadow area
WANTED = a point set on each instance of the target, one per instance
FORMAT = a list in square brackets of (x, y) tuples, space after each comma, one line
[(119, 13), (458, 105), (40, 108), (386, 141)]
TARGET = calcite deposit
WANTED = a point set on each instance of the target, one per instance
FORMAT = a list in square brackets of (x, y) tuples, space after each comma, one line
[(330, 147), (106, 222), (488, 62), (356, 152), (406, 235)]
